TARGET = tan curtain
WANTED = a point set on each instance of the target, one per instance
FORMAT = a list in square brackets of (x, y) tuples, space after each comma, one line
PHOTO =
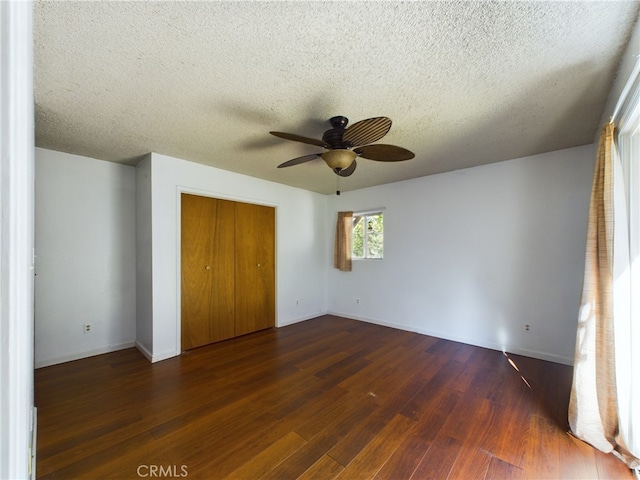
[(344, 239), (599, 370)]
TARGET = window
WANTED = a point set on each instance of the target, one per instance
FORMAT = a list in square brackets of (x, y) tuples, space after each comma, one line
[(627, 355), (629, 148), (368, 235)]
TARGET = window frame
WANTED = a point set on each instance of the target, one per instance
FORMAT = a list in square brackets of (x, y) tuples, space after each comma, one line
[(628, 142), (627, 119)]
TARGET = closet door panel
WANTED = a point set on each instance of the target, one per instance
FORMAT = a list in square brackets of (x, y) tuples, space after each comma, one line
[(196, 280), (222, 313), (255, 268)]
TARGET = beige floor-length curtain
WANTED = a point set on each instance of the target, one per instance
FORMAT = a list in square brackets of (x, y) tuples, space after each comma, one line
[(601, 366), (344, 240)]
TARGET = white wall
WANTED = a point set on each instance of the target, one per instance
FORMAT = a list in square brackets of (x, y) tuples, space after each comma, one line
[(470, 255), (301, 256), (85, 247), (473, 255), (144, 266)]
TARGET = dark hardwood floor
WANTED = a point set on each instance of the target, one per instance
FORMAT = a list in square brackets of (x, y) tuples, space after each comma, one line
[(322, 399)]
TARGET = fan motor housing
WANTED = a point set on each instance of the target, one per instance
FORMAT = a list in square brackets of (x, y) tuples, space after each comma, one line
[(333, 136)]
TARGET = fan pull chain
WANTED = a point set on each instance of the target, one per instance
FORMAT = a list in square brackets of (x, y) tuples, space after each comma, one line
[(337, 185)]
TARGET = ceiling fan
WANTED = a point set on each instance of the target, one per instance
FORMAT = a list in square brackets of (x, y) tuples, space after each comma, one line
[(344, 144)]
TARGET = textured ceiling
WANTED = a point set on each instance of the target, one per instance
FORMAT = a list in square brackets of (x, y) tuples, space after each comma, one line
[(465, 83)]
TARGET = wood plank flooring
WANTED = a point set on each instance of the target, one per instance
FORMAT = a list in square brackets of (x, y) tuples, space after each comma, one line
[(322, 399)]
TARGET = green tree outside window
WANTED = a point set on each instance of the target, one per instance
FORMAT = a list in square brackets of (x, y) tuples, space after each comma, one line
[(368, 236)]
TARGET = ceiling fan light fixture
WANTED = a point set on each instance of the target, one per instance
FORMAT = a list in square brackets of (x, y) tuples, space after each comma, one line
[(342, 145), (339, 158)]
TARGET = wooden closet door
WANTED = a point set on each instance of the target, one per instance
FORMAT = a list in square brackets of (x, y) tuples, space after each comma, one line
[(255, 268), (207, 253)]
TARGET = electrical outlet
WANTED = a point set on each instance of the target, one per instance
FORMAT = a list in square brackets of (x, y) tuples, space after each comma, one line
[(87, 328), (358, 301), (527, 327), (297, 302)]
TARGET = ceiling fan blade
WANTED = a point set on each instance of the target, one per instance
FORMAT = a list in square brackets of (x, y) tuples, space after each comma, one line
[(298, 138), (384, 153), (345, 172), (366, 131), (299, 160)]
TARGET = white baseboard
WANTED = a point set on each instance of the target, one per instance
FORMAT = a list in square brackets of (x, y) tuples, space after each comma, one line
[(165, 355), (549, 357), (143, 350), (301, 319), (153, 358), (47, 362)]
